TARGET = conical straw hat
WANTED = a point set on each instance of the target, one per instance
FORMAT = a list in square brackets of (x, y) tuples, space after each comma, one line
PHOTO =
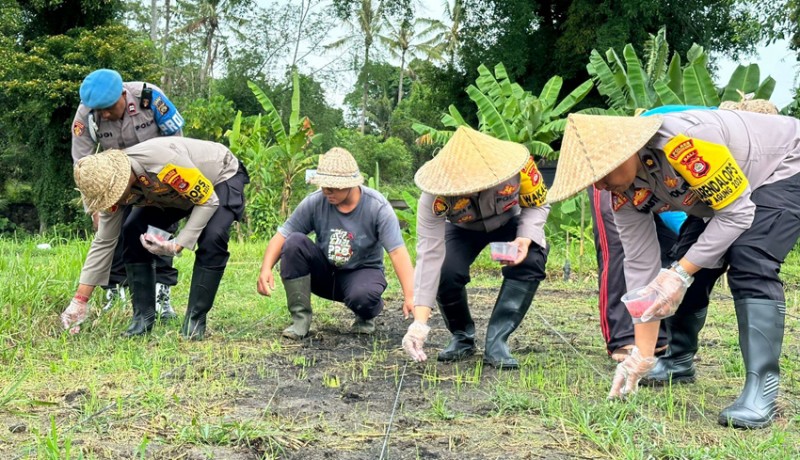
[(593, 146), (337, 169), (751, 105), (102, 179), (471, 162)]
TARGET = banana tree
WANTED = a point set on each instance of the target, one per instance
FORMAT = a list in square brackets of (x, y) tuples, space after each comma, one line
[(289, 155), (508, 112), (628, 85)]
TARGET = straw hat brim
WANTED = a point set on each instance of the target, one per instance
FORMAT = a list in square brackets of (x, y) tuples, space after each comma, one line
[(334, 181), (102, 179), (595, 145), (471, 162)]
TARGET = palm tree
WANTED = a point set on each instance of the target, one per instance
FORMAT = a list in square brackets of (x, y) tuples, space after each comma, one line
[(450, 37), (404, 42), (365, 25)]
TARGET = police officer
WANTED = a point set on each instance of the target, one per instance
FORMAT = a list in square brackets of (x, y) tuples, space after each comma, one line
[(477, 190), (115, 115), (736, 175), (164, 179)]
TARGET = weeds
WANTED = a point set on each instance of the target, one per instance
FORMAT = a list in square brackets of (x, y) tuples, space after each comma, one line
[(252, 392)]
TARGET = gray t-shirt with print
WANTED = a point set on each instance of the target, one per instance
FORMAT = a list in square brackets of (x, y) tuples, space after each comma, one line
[(352, 240)]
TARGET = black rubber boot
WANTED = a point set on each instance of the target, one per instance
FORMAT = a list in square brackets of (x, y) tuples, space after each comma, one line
[(677, 364), (458, 321), (201, 298), (142, 284), (761, 324), (512, 304), (298, 300)]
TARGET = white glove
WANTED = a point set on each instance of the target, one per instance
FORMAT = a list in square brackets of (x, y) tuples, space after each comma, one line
[(75, 314), (159, 247), (415, 339), (671, 288), (628, 374)]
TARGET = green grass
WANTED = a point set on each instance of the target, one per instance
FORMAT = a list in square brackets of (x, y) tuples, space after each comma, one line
[(96, 395)]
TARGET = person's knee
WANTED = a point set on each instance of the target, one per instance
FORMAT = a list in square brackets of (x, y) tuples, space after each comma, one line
[(294, 242), (365, 302), (753, 273)]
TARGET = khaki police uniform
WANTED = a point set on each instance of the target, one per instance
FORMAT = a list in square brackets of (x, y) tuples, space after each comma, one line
[(452, 231), (160, 118), (141, 121), (176, 177), (736, 173)]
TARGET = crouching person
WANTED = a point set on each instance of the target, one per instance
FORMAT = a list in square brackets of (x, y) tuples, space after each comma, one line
[(165, 180), (477, 190), (353, 225)]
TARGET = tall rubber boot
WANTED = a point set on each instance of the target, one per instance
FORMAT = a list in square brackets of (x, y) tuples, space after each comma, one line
[(458, 321), (761, 324), (298, 300), (677, 364), (512, 304), (142, 283), (202, 292)]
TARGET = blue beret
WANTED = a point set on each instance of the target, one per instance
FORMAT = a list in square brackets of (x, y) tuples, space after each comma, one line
[(101, 89)]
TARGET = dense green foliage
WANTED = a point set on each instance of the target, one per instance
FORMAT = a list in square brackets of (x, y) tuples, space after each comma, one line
[(405, 70)]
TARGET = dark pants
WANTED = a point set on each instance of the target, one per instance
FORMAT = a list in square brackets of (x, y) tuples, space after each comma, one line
[(212, 246), (615, 321), (463, 247), (754, 259), (165, 272), (359, 289)]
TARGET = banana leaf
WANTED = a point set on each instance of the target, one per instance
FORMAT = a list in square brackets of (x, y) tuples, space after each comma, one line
[(710, 92), (549, 94), (294, 117), (454, 119), (491, 117), (572, 99), (271, 113), (487, 84), (697, 55), (540, 149), (657, 51), (665, 94), (744, 79), (675, 76), (437, 137), (636, 78), (618, 70), (765, 89), (606, 82), (693, 93)]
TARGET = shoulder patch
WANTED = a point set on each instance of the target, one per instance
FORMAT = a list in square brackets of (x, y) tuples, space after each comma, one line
[(710, 169), (440, 206), (188, 182), (532, 191), (78, 128)]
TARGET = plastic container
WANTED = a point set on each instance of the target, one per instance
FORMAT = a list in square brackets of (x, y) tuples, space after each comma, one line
[(504, 252), (157, 233), (637, 301)]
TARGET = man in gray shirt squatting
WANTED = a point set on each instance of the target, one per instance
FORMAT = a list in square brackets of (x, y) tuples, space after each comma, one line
[(353, 225)]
